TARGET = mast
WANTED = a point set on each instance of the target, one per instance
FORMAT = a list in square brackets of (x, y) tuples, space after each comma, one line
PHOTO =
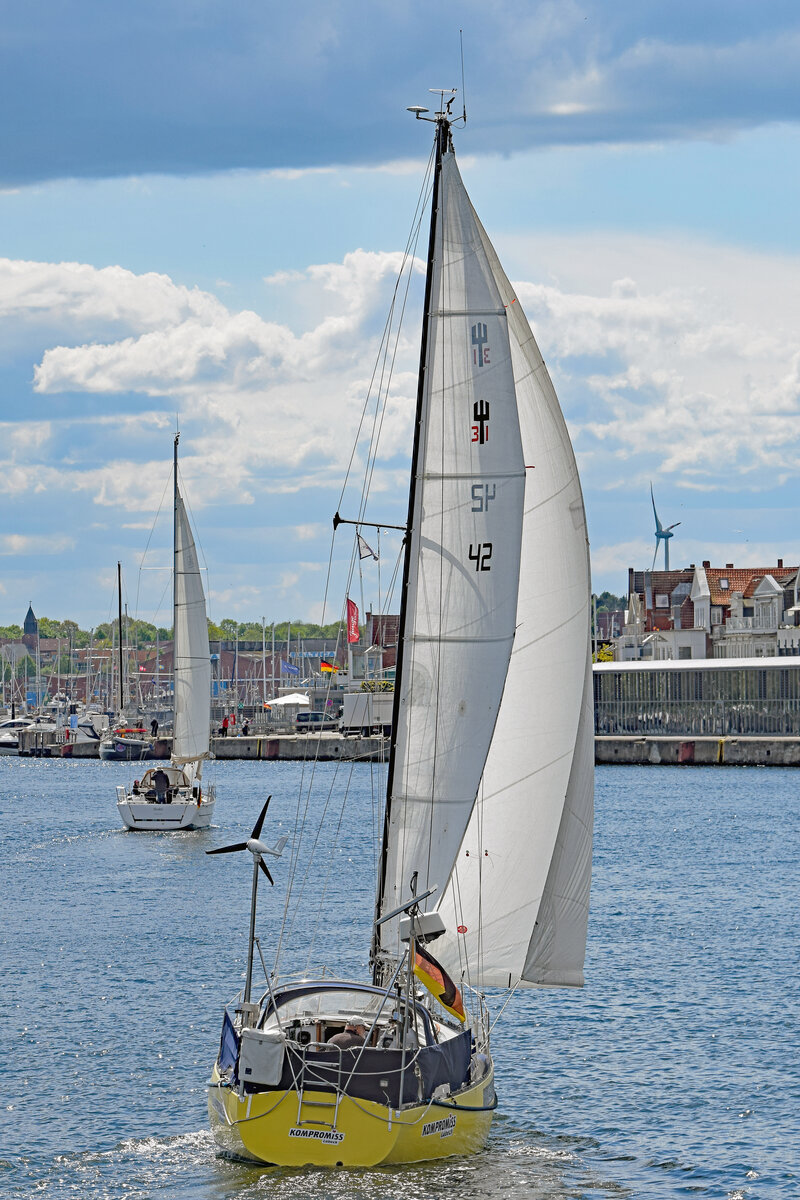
[(119, 637), (442, 142), (174, 547)]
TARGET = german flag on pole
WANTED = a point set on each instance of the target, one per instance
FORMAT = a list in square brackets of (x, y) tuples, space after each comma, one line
[(434, 977), (326, 666)]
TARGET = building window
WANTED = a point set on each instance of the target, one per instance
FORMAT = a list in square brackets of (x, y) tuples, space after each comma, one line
[(723, 583), (716, 615), (662, 601)]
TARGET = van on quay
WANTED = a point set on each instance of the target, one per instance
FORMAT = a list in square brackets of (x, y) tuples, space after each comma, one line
[(315, 722)]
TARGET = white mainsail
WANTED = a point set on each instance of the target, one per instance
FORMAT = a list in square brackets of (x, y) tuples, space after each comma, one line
[(520, 888), (466, 528), (192, 663)]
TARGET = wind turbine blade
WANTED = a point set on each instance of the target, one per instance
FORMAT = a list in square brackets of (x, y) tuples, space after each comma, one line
[(655, 552), (655, 514), (257, 827), (265, 869), (228, 849), (675, 526)]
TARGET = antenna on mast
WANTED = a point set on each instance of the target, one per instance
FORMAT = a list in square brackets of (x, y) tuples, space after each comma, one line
[(443, 112), (463, 87)]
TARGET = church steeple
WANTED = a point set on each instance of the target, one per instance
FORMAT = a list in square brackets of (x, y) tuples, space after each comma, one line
[(30, 629)]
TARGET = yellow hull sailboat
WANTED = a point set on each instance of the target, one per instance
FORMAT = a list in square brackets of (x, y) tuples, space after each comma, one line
[(487, 826), (295, 1128)]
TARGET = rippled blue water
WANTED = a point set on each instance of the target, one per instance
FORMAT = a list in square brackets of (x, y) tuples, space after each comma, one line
[(674, 1072)]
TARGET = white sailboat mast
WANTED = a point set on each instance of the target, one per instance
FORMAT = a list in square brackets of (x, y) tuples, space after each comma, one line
[(461, 571), (442, 134), (192, 664)]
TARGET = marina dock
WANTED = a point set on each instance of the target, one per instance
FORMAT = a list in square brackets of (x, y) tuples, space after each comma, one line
[(655, 750), (610, 750), (285, 747)]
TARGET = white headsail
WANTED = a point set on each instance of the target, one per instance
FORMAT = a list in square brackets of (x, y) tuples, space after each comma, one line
[(192, 660), (464, 559), (520, 888)]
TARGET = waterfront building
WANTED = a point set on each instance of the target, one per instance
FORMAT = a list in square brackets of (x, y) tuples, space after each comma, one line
[(707, 697), (711, 612)]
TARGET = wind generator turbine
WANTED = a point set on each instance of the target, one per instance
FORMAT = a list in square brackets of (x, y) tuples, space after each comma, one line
[(258, 849), (662, 534)]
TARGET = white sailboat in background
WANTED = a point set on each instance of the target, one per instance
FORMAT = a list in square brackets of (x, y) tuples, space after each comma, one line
[(490, 782), (171, 796)]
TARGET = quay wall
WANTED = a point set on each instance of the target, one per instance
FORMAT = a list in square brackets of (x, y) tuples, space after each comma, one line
[(610, 750), (323, 747), (699, 751)]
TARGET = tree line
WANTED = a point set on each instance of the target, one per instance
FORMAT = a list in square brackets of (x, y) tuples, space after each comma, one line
[(142, 633)]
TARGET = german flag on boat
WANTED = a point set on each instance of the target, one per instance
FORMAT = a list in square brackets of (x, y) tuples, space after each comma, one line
[(433, 976), (326, 666)]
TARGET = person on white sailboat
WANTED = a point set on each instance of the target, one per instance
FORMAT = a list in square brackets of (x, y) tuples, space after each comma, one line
[(354, 1034)]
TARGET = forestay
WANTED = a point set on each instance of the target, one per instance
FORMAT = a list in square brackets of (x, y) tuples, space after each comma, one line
[(464, 556), (192, 659), (520, 889)]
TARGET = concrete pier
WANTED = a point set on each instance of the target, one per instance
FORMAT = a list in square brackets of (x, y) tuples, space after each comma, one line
[(699, 751), (273, 747), (617, 750), (296, 747)]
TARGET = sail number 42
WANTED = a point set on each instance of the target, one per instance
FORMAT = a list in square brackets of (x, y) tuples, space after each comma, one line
[(480, 555)]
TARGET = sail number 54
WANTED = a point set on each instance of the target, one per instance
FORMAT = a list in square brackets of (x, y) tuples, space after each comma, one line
[(481, 555)]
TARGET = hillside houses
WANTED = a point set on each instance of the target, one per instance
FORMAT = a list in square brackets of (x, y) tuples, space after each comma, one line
[(711, 612)]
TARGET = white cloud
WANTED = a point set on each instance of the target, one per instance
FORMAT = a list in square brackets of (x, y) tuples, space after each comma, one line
[(24, 436), (671, 358), (688, 365), (243, 598), (19, 543), (79, 294), (307, 533), (615, 560)]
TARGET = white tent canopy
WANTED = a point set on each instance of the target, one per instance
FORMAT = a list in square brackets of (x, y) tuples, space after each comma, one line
[(294, 698)]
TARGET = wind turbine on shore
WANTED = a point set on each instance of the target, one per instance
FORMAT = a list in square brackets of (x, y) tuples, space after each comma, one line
[(662, 534)]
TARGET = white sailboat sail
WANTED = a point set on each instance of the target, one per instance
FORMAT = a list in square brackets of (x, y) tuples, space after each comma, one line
[(466, 526), (192, 660), (520, 888)]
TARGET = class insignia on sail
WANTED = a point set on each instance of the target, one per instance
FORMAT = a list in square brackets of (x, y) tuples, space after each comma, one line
[(486, 847)]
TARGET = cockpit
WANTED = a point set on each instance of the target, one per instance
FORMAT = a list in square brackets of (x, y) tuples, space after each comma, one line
[(160, 783), (313, 1014)]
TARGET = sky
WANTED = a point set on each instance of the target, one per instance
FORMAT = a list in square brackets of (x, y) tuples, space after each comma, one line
[(202, 211)]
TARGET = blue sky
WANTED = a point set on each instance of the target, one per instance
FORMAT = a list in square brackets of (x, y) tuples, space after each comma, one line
[(201, 209)]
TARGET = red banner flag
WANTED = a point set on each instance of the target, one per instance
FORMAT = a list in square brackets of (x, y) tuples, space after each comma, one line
[(352, 622)]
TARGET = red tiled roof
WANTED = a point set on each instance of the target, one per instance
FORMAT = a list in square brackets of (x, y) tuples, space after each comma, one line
[(662, 581), (743, 579)]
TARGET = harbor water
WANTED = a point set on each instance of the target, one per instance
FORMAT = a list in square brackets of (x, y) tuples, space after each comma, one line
[(674, 1072)]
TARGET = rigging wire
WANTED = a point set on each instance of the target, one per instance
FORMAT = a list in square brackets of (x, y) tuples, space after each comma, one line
[(316, 922), (410, 241), (149, 540), (377, 394)]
